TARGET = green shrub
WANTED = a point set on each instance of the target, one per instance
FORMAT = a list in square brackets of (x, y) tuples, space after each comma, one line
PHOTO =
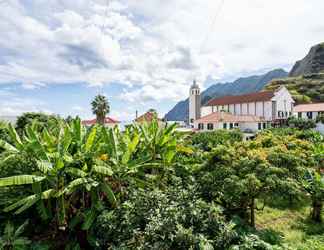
[(320, 118), (208, 140), (300, 123), (174, 219)]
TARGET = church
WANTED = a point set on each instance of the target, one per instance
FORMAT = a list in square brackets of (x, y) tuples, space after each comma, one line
[(249, 112)]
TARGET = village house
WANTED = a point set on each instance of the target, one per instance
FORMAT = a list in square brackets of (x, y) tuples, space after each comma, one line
[(309, 111), (248, 112), (109, 122), (148, 117)]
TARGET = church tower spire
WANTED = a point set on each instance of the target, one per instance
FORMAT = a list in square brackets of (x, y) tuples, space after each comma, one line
[(194, 103)]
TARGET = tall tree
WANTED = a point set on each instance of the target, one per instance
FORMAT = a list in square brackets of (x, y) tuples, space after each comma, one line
[(100, 107)]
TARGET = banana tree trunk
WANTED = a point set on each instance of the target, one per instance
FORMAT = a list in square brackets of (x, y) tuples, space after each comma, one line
[(252, 214), (317, 210)]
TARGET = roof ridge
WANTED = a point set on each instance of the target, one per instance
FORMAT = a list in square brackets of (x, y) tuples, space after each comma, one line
[(250, 97)]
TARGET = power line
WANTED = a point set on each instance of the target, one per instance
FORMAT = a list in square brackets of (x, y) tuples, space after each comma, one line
[(213, 23)]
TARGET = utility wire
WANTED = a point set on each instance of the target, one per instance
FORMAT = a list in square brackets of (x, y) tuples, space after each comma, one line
[(212, 24)]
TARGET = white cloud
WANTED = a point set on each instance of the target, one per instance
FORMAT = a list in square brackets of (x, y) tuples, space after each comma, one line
[(154, 47), (17, 106)]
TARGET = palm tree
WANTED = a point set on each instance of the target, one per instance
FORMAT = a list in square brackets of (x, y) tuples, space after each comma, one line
[(100, 107)]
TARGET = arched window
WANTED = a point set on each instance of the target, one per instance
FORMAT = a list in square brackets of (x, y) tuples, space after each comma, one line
[(210, 126)]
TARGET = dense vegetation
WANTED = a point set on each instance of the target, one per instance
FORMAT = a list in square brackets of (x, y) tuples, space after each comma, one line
[(64, 186)]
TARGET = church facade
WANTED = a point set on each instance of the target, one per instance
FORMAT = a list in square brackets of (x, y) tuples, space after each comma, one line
[(249, 112)]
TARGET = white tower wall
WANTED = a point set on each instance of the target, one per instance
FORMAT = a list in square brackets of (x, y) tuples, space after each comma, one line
[(194, 103)]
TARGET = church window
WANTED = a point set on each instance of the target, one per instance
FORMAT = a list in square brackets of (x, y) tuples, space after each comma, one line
[(200, 126), (259, 126)]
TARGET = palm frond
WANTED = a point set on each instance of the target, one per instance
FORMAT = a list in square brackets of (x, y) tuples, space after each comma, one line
[(20, 180), (103, 170)]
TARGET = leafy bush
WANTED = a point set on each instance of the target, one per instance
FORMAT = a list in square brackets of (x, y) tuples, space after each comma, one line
[(301, 123), (171, 219), (153, 219), (12, 237), (208, 140), (320, 119)]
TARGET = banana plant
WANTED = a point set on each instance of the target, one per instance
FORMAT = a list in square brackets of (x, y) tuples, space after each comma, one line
[(162, 143), (77, 169), (67, 169), (314, 186)]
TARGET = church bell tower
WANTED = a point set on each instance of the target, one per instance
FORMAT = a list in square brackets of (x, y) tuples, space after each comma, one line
[(194, 103)]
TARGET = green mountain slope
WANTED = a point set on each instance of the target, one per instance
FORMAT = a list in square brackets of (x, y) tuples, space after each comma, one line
[(305, 89)]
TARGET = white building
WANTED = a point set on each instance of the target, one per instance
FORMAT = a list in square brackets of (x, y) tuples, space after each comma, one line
[(225, 120), (309, 111), (252, 111), (194, 103)]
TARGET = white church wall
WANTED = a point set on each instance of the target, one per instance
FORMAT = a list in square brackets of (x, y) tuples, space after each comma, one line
[(231, 108), (206, 110), (251, 108), (268, 110), (244, 109), (284, 101), (237, 109), (259, 109)]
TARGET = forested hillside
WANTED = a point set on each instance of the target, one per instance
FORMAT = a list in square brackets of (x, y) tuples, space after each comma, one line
[(305, 88)]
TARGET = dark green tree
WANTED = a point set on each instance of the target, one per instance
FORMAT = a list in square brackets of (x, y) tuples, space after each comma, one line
[(41, 121)]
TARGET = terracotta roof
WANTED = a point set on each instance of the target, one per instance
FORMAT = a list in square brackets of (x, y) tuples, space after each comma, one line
[(108, 120), (147, 117), (227, 117), (252, 97), (315, 107)]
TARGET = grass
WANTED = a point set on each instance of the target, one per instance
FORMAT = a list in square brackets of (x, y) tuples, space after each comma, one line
[(291, 227)]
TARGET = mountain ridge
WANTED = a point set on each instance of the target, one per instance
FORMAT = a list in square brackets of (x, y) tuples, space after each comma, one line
[(313, 62), (306, 79)]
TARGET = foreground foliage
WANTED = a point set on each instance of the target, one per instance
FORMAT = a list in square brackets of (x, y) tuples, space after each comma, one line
[(153, 188)]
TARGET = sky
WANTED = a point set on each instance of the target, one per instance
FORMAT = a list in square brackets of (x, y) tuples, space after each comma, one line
[(56, 55)]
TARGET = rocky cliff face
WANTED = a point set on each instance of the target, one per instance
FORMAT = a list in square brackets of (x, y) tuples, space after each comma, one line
[(312, 63), (241, 86)]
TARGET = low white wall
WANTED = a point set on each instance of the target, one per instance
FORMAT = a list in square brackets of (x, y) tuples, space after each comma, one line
[(250, 126), (320, 127)]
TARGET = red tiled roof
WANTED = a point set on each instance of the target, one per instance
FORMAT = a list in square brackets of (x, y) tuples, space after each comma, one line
[(252, 97), (108, 120), (147, 117), (227, 117), (313, 107)]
